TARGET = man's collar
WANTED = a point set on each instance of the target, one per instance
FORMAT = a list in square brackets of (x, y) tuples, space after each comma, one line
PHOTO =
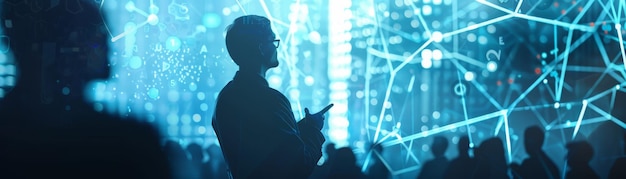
[(250, 78)]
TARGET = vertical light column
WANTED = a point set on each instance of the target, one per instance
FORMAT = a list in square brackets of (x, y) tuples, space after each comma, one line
[(339, 70)]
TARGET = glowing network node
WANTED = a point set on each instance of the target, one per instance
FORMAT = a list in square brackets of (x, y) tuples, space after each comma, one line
[(204, 107), (469, 76), (427, 54), (427, 63), (557, 105), (437, 36), (193, 86), (492, 66), (153, 19), (437, 54), (226, 11), (201, 130), (427, 10)]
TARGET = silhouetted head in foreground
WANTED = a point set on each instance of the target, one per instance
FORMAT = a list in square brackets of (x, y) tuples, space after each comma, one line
[(579, 154), (252, 44), (464, 146), (439, 146), (533, 140), (58, 47), (47, 129)]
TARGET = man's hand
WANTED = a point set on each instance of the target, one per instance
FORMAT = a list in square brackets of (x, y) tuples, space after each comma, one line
[(318, 118)]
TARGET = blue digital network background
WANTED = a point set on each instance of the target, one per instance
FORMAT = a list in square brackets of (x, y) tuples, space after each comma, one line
[(398, 71)]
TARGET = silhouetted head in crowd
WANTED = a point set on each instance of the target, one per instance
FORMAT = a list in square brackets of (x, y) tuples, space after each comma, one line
[(58, 48), (252, 44), (330, 149), (174, 151), (464, 146), (439, 146), (195, 151), (533, 139), (579, 154)]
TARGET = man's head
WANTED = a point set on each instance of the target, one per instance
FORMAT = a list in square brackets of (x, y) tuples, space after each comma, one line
[(579, 153), (69, 44), (251, 42), (464, 145), (439, 146), (533, 139)]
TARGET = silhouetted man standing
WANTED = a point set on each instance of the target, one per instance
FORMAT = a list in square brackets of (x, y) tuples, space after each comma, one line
[(254, 123)]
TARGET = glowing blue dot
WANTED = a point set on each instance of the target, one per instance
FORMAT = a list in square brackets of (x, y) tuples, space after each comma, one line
[(153, 93), (427, 54), (471, 37), (135, 62), (427, 10), (426, 64), (482, 40), (557, 105), (185, 130), (211, 20), (436, 115), (492, 66), (173, 43), (65, 91), (98, 107), (437, 54), (469, 76), (148, 106), (185, 119), (204, 107), (437, 36), (201, 130), (196, 117), (172, 119), (130, 6), (491, 29), (201, 96), (193, 86), (309, 80), (544, 55)]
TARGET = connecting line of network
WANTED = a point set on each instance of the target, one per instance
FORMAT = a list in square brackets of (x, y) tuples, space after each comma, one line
[(503, 113)]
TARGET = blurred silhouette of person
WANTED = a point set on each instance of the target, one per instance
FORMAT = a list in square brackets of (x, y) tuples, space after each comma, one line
[(177, 157), (215, 167), (344, 165), (378, 170), (322, 171), (48, 129), (195, 160), (254, 123), (538, 165), (491, 162), (618, 169), (436, 167), (579, 153), (464, 165)]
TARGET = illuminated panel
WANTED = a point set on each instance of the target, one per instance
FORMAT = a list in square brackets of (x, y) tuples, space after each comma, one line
[(339, 69)]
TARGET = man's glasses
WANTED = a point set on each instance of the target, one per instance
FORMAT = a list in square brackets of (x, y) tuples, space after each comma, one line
[(276, 43)]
